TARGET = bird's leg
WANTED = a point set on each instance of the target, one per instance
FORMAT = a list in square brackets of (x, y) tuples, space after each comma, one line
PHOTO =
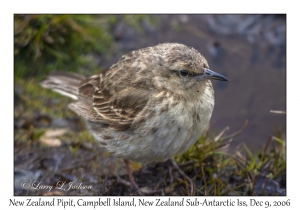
[(183, 174), (134, 185), (170, 173)]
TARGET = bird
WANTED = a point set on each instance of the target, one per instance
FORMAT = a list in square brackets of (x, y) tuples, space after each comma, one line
[(152, 104)]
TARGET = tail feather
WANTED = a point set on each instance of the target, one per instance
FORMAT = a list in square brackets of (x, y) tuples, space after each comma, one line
[(63, 82)]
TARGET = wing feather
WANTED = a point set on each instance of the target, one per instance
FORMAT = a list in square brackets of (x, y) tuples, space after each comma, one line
[(100, 101)]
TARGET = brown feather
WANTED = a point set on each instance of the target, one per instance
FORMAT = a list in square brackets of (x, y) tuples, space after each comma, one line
[(99, 101)]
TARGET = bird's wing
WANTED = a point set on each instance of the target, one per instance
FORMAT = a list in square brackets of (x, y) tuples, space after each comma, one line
[(103, 101)]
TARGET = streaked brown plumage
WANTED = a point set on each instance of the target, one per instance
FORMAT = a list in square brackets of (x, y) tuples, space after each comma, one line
[(152, 104)]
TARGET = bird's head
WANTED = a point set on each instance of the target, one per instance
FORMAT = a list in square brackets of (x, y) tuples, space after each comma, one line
[(177, 67)]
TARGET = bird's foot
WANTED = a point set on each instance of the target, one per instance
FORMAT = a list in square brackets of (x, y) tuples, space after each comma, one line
[(139, 191), (134, 187), (174, 164)]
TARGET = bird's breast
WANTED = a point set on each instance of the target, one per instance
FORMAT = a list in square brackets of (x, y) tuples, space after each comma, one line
[(194, 118), (179, 123)]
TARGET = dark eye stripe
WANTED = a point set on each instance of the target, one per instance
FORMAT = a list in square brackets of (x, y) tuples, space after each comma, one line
[(186, 73)]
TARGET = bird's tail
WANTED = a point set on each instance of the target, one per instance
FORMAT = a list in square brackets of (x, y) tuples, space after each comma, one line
[(65, 83)]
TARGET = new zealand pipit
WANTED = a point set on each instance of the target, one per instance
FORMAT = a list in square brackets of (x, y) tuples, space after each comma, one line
[(152, 104)]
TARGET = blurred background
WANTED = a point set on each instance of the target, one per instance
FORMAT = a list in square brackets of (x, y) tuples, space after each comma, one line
[(248, 49)]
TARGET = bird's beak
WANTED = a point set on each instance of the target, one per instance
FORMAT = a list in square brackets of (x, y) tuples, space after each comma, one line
[(209, 74)]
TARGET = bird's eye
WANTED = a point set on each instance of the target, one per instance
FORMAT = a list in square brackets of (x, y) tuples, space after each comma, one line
[(184, 73)]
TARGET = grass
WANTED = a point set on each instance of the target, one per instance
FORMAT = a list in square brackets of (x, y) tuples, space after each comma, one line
[(43, 43), (222, 173)]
